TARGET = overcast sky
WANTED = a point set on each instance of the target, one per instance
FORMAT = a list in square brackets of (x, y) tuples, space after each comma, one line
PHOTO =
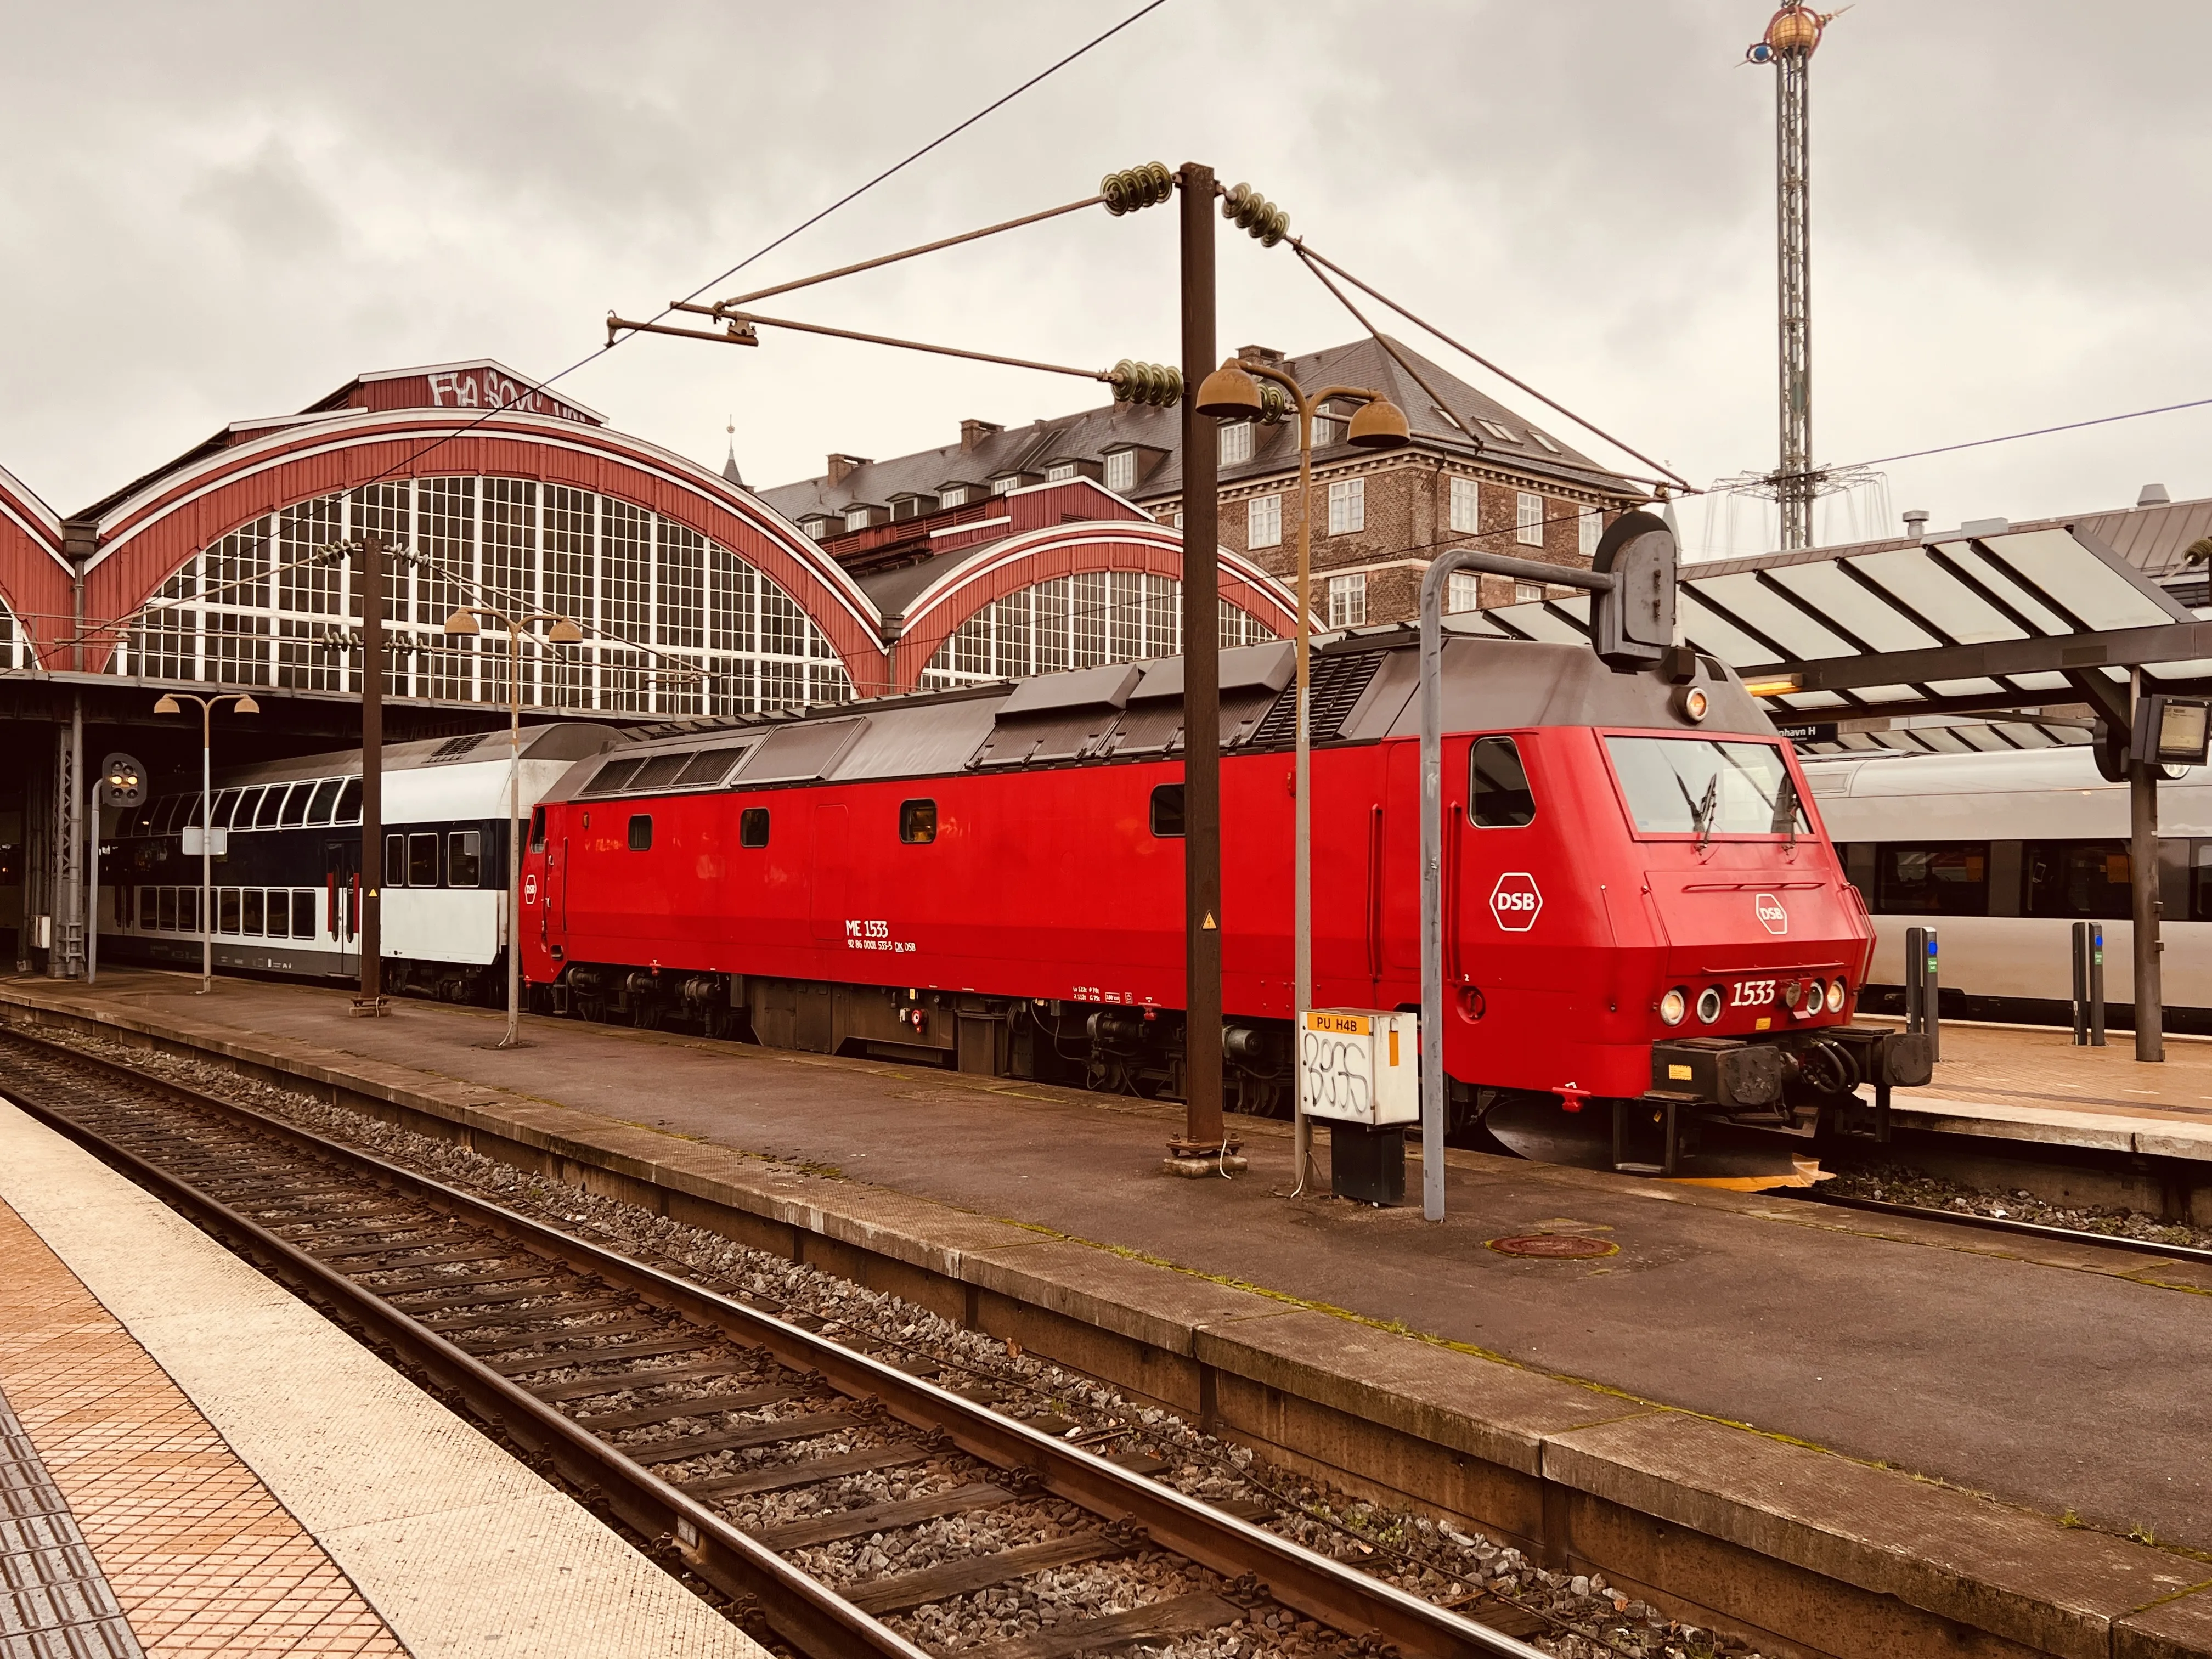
[(220, 211)]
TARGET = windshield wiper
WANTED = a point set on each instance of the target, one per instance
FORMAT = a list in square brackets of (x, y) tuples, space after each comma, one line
[(1785, 810), (1706, 811)]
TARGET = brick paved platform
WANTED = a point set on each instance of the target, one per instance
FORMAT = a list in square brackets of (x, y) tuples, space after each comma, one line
[(252, 1481)]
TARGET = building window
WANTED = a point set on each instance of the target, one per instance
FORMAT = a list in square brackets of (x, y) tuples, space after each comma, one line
[(1178, 522), (999, 486), (956, 496), (1498, 430), (1527, 593), (1236, 443), (1528, 519), (1326, 432), (1590, 529), (1545, 442), (1122, 471), (1347, 505), (856, 518), (1263, 521), (752, 827), (1059, 472), (917, 822), (1347, 600), (1462, 591), (1466, 506)]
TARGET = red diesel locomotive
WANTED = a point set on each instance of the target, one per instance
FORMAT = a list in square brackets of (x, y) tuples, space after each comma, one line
[(1641, 905)]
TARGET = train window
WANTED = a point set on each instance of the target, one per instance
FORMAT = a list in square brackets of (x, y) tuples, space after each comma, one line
[(149, 907), (250, 906), (2084, 879), (171, 814), (917, 822), (1948, 878), (280, 913), (1498, 789), (395, 860), (752, 827), (295, 806), (143, 820), (165, 916), (324, 801), (537, 829), (224, 801), (641, 832), (349, 802), (226, 910), (272, 806), (188, 909), (303, 912), (1705, 786), (248, 804), (1167, 810), (464, 859), (423, 861)]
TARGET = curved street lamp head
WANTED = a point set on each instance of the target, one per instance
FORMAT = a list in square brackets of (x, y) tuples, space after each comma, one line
[(462, 623), (1230, 394), (168, 705), (564, 632), (246, 705), (1379, 425)]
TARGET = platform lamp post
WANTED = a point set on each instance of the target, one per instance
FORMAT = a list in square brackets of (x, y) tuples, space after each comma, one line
[(173, 703), (1231, 393), (561, 630)]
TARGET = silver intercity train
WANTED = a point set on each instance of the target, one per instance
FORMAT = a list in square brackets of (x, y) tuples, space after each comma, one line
[(2002, 853), (286, 892)]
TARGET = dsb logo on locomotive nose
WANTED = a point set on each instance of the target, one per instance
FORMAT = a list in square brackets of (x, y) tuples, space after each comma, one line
[(1515, 901), (1771, 916)]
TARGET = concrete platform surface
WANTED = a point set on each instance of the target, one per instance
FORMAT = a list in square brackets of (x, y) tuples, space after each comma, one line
[(2031, 1083), (2062, 1377), (254, 1481)]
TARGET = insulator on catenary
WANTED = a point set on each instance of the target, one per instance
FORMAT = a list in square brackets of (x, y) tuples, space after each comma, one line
[(1255, 214), (1137, 187), (1156, 384)]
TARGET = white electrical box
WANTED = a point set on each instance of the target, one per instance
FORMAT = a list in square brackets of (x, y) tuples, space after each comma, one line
[(1360, 1066), (191, 848)]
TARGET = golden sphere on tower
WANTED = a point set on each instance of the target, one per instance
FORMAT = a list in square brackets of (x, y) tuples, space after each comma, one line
[(1795, 28)]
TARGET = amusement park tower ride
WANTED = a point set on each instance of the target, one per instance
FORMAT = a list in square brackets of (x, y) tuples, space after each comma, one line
[(1792, 38)]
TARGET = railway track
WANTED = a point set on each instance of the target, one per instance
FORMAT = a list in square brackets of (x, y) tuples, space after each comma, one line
[(672, 1398), (2009, 1224)]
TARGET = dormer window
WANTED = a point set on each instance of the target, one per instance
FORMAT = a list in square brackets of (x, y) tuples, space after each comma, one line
[(818, 528), (856, 518), (956, 496), (1122, 471), (1059, 472), (1004, 482), (1236, 443)]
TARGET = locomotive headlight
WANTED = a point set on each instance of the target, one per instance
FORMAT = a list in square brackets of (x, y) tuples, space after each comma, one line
[(1674, 1007), (1709, 1003), (1837, 992), (1694, 703)]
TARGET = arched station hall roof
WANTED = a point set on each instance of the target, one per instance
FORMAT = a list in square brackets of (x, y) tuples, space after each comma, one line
[(479, 419)]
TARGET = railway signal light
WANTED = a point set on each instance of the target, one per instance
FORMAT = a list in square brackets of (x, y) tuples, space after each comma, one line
[(1632, 620), (1137, 187)]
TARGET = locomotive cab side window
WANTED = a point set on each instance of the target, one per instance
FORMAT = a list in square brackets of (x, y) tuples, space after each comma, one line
[(917, 822), (1497, 786), (537, 829), (752, 827), (464, 859), (423, 861), (1167, 810), (641, 832)]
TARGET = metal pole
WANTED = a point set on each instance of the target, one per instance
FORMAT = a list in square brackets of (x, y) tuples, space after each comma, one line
[(1302, 857), (1931, 992), (514, 1038), (2080, 932), (207, 844), (370, 571), (92, 882), (1203, 1133), (2096, 985), (69, 952), (2143, 865)]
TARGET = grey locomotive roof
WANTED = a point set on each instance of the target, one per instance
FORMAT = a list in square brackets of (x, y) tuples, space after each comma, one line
[(1091, 433), (1364, 688), (568, 740)]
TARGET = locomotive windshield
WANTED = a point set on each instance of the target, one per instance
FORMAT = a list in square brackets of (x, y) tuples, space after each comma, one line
[(1705, 787)]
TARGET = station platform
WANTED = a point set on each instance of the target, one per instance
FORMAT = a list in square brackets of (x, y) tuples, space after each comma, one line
[(2006, 1435), (193, 1462), (2028, 1082)]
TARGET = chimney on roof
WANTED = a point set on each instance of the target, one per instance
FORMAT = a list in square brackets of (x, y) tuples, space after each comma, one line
[(842, 467), (1915, 522), (1261, 354), (2153, 495), (974, 432)]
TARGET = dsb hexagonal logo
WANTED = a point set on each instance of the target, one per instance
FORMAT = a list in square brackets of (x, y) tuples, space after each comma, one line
[(1515, 900)]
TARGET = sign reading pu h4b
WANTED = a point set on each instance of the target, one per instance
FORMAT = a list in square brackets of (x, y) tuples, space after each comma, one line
[(1771, 916), (1515, 901)]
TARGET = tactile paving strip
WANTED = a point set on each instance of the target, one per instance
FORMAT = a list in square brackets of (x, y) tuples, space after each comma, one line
[(55, 1602)]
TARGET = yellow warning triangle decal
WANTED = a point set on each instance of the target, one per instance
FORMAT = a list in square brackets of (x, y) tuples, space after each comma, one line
[(1209, 922)]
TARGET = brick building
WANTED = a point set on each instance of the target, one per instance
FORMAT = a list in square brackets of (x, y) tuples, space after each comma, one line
[(1379, 519)]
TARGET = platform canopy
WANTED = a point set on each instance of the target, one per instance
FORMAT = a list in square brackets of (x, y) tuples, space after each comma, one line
[(1983, 618)]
